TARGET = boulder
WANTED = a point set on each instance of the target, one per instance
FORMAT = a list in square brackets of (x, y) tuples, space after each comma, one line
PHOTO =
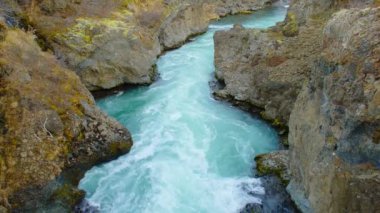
[(274, 163)]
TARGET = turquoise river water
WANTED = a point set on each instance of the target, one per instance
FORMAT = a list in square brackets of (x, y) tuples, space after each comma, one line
[(191, 153)]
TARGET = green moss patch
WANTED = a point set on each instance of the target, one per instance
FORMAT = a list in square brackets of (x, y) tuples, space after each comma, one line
[(290, 29)]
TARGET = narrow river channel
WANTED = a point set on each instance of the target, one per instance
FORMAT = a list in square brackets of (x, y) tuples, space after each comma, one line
[(191, 154)]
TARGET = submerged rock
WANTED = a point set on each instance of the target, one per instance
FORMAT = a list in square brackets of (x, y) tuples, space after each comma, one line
[(275, 199), (49, 127)]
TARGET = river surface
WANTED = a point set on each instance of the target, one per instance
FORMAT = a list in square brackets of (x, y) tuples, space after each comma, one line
[(191, 153)]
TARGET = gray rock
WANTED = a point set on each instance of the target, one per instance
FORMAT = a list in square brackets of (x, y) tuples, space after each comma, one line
[(323, 82), (334, 150), (262, 68)]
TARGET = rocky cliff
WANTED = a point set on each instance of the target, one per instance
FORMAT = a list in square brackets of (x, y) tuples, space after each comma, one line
[(335, 124), (318, 72), (265, 68), (51, 130), (117, 42)]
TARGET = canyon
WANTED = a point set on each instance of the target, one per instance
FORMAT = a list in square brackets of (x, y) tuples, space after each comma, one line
[(314, 76), (52, 53)]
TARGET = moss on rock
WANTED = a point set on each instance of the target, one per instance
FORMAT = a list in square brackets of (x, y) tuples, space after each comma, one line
[(49, 123), (290, 28), (275, 163)]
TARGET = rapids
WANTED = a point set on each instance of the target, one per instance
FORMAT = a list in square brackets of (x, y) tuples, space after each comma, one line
[(191, 153)]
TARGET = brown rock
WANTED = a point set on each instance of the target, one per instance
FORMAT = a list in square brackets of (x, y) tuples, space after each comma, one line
[(41, 120), (333, 158)]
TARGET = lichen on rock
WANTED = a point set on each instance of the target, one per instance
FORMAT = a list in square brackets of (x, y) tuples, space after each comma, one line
[(49, 122), (291, 25)]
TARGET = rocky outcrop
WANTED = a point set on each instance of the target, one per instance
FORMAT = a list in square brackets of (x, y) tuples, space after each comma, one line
[(109, 44), (334, 143), (268, 68), (319, 72), (185, 22), (51, 130), (262, 68), (275, 163)]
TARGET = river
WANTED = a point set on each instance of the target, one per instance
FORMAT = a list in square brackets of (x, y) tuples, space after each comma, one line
[(191, 153)]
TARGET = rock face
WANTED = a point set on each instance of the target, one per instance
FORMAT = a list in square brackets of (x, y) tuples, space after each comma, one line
[(262, 68), (319, 73), (49, 125), (109, 44), (184, 22), (334, 126)]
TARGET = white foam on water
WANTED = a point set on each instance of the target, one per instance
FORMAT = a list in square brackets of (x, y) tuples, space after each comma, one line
[(191, 154)]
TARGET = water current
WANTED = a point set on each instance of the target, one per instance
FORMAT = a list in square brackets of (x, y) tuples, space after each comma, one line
[(191, 153)]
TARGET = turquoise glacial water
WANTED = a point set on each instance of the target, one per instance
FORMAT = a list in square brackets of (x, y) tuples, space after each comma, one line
[(191, 153)]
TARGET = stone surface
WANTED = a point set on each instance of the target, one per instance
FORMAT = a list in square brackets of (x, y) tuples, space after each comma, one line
[(184, 22), (334, 150), (274, 163), (49, 124), (265, 68)]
